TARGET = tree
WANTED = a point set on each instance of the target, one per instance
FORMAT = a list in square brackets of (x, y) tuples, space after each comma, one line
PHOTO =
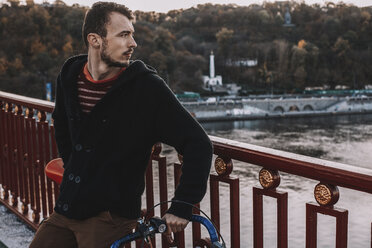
[(298, 64), (14, 3), (281, 47), (188, 73), (30, 2), (224, 39), (164, 40)]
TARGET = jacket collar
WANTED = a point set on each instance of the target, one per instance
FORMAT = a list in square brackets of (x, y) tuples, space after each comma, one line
[(73, 66)]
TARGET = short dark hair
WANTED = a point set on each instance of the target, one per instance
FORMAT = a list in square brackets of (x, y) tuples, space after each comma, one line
[(99, 15)]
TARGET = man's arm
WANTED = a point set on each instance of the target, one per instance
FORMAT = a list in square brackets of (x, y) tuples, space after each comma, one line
[(176, 127), (61, 129)]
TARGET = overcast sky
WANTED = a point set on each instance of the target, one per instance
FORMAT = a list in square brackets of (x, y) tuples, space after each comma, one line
[(166, 5)]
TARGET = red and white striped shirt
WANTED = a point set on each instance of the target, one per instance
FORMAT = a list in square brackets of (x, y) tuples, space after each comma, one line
[(91, 91)]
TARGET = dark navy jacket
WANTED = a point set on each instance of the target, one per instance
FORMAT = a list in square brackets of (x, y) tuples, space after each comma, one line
[(106, 152)]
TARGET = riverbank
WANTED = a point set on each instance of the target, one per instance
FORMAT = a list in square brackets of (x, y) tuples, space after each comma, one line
[(270, 108), (280, 115)]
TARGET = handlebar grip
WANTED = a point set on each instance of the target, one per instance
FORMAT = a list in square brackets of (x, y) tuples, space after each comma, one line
[(205, 222)]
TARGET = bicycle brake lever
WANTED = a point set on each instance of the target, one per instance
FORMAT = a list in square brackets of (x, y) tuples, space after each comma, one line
[(158, 224)]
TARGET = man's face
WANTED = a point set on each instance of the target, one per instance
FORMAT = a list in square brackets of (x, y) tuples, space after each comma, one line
[(119, 44)]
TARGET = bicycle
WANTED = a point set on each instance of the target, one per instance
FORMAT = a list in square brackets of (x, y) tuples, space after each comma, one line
[(146, 229), (156, 225)]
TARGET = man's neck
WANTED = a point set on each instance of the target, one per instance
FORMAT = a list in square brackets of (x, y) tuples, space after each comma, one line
[(100, 70)]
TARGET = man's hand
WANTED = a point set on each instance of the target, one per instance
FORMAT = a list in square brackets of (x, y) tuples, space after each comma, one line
[(174, 224)]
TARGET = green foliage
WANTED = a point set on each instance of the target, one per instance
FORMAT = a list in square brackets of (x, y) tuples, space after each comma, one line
[(329, 44)]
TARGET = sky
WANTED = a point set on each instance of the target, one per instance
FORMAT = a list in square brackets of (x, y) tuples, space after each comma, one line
[(166, 5)]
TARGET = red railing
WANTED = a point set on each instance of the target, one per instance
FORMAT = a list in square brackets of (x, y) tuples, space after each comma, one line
[(27, 144)]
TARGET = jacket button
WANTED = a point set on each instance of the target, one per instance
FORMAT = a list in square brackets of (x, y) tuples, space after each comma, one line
[(78, 147), (104, 121), (71, 177), (65, 207), (77, 179)]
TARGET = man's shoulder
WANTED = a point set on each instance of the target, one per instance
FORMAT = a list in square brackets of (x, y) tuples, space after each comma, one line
[(153, 83), (80, 59), (72, 66), (147, 75)]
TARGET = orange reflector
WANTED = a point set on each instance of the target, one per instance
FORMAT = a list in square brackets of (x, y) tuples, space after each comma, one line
[(54, 170)]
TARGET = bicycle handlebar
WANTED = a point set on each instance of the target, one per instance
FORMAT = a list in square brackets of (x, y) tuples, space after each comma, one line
[(157, 225), (211, 230)]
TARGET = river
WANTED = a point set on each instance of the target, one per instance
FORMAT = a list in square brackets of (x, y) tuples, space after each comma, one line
[(345, 139)]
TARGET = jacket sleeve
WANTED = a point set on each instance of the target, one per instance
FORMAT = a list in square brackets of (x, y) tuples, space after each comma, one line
[(177, 128), (61, 128)]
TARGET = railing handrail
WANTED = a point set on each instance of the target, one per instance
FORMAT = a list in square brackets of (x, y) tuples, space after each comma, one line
[(27, 101), (339, 174), (322, 170)]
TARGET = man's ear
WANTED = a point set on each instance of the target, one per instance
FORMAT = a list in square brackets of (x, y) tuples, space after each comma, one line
[(94, 40)]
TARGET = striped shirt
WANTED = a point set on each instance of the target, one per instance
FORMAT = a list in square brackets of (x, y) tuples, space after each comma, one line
[(91, 91)]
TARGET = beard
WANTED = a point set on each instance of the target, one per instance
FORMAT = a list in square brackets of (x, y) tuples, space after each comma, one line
[(108, 60)]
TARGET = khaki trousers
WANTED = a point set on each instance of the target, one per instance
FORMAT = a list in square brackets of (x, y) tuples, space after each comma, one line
[(100, 231)]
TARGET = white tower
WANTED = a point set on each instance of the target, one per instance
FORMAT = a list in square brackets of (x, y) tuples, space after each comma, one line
[(213, 81), (211, 66)]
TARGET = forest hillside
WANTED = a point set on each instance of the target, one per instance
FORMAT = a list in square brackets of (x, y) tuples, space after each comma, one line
[(326, 45)]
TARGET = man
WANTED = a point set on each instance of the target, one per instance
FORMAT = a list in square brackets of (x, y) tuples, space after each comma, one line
[(109, 113)]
